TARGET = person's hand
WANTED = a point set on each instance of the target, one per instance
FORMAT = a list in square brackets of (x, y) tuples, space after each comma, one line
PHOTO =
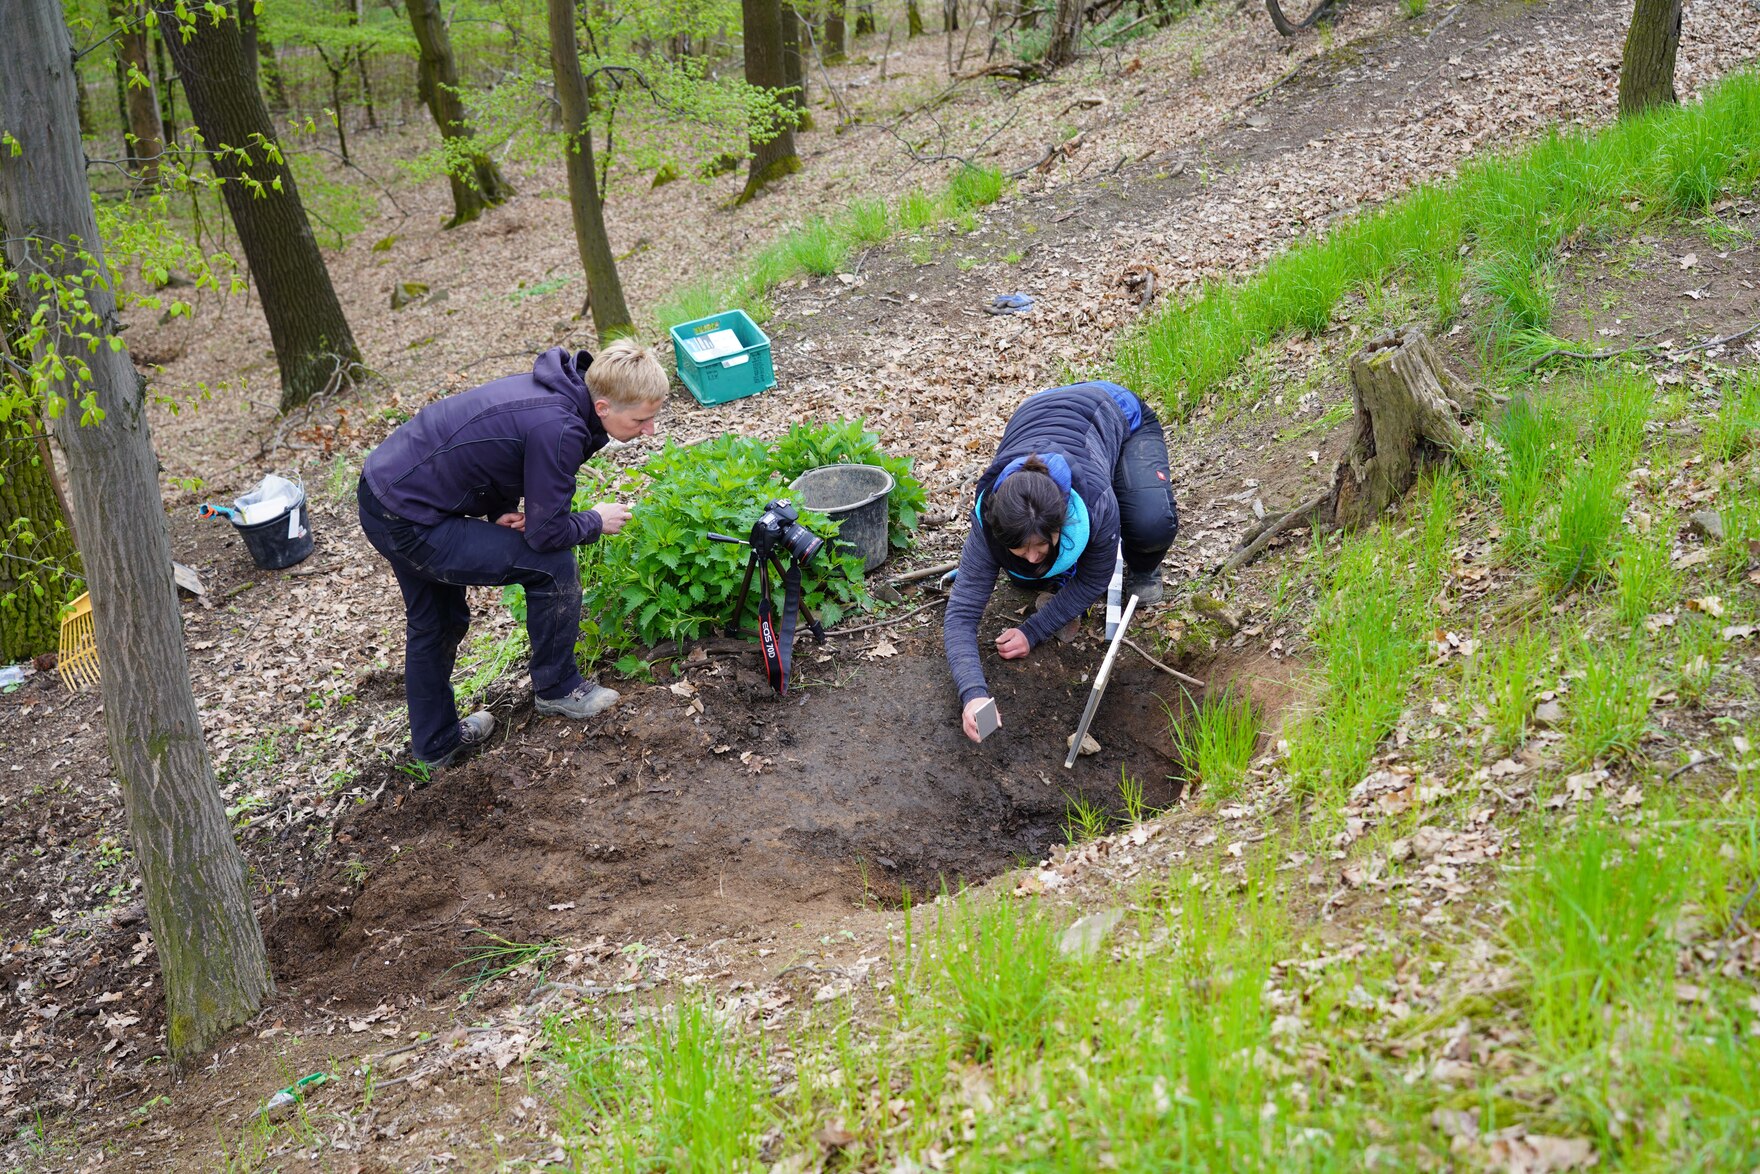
[(512, 522), (969, 719), (612, 516), (1012, 644)]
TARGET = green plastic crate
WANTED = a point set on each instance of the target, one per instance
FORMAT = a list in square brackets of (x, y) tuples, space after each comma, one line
[(746, 371)]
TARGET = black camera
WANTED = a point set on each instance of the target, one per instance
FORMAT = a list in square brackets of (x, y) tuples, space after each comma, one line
[(777, 529), (779, 525)]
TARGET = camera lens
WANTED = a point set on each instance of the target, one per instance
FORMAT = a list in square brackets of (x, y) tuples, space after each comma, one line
[(802, 541)]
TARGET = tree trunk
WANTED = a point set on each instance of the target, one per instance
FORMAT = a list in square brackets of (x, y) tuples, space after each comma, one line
[(1408, 413), (273, 85), (210, 949), (167, 97), (865, 19), (1066, 31), (1646, 72), (765, 67), (950, 16), (141, 101), (314, 347), (247, 32), (335, 70), (834, 33), (794, 67), (913, 19), (611, 316), (361, 71), (476, 182)]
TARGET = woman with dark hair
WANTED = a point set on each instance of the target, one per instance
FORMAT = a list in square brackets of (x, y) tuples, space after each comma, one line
[(1081, 471)]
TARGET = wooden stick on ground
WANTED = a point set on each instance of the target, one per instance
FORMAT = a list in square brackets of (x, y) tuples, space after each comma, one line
[(925, 573), (1172, 672), (1618, 352), (1256, 547)]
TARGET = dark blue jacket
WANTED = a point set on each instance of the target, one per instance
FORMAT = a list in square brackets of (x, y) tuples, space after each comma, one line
[(1086, 424), (478, 453)]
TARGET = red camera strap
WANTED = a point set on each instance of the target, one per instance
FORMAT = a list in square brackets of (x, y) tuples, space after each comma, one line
[(777, 649)]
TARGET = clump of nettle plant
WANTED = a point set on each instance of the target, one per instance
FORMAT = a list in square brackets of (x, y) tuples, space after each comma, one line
[(663, 578)]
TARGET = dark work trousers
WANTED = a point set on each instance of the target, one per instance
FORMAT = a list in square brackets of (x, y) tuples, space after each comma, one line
[(1148, 520), (433, 565)]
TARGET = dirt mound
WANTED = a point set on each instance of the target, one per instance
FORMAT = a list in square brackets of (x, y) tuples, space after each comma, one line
[(722, 810)]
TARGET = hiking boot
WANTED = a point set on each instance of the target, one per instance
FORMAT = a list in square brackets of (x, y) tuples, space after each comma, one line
[(1145, 585), (473, 731), (588, 698)]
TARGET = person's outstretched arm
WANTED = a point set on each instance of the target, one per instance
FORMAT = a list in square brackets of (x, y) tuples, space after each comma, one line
[(554, 453), (965, 607)]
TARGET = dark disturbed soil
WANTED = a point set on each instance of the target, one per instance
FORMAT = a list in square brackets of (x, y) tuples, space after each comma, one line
[(850, 791)]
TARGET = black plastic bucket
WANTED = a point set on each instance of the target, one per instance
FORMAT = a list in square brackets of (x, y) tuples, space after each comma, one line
[(282, 540), (854, 496)]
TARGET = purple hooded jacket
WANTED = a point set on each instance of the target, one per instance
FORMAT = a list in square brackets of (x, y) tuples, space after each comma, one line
[(478, 453)]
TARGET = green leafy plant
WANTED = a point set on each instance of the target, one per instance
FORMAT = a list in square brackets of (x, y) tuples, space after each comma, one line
[(663, 578)]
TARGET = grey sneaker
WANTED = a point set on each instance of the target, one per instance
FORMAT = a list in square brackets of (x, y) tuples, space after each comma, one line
[(1145, 585), (473, 731), (588, 699)]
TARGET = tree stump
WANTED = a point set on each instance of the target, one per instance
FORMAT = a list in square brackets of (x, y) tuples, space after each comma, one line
[(1409, 409)]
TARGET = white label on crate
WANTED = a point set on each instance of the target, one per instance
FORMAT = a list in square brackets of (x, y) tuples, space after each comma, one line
[(713, 345), (293, 523), (736, 361)]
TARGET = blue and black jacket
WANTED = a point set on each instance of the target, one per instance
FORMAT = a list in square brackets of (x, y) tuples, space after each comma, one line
[(1078, 431)]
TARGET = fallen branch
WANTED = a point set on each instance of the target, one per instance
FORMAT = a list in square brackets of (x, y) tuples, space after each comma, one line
[(1037, 162), (1697, 760), (1256, 547), (1619, 352), (1172, 672), (887, 623), (1447, 19), (925, 573), (1278, 84), (1018, 71)]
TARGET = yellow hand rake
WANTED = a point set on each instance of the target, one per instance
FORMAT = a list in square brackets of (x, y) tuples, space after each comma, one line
[(78, 661)]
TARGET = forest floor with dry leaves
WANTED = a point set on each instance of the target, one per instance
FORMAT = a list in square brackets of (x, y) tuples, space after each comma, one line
[(702, 836)]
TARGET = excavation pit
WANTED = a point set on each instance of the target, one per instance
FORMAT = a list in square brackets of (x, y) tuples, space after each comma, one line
[(752, 812)]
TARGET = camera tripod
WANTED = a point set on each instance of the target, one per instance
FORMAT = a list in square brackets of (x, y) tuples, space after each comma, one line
[(776, 650)]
